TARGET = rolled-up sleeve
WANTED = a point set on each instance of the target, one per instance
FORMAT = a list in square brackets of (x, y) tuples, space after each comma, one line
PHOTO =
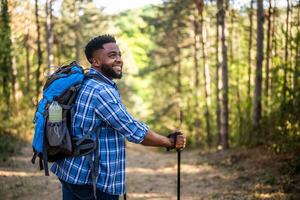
[(111, 110)]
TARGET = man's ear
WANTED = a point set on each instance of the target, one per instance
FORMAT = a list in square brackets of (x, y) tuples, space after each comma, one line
[(97, 59), (96, 62)]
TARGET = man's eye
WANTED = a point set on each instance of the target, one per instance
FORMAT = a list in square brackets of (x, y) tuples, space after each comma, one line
[(113, 56)]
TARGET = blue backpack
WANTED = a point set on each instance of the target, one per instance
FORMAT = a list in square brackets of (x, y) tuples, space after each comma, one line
[(53, 141)]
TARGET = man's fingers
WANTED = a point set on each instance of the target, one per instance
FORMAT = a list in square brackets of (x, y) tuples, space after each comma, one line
[(180, 141)]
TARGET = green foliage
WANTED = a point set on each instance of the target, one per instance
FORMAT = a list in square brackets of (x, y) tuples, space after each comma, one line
[(135, 43), (284, 132), (9, 145), (76, 22), (16, 130), (158, 86)]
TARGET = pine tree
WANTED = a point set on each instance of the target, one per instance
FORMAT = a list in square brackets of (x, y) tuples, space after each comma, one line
[(5, 55), (39, 51), (286, 51), (250, 56), (206, 69), (49, 35), (221, 5), (196, 44), (259, 61), (268, 53)]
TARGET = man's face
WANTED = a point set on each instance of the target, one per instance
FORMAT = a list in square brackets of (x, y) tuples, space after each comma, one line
[(109, 61)]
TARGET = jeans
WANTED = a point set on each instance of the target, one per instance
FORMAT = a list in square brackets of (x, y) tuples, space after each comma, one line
[(83, 192)]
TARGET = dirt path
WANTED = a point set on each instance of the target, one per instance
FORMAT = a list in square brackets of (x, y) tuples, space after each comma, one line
[(151, 175)]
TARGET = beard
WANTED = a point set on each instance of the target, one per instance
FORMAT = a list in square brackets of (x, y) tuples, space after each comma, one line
[(109, 72)]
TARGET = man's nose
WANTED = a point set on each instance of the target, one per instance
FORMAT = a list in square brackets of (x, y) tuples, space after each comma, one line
[(119, 59)]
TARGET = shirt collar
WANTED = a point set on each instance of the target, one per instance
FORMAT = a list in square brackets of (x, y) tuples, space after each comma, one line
[(102, 77)]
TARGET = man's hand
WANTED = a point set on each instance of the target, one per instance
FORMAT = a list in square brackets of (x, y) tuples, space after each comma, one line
[(154, 139), (178, 140)]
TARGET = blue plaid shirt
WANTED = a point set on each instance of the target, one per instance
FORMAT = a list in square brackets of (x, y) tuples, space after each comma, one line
[(98, 104)]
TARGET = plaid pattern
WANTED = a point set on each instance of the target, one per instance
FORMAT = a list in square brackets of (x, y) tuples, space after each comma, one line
[(99, 104)]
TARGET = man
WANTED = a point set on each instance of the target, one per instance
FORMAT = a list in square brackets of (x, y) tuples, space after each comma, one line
[(99, 104)]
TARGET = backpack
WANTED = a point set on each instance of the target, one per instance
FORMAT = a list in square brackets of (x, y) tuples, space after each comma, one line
[(54, 141)]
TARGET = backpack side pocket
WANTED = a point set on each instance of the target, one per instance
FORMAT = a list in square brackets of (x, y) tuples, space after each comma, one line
[(56, 132)]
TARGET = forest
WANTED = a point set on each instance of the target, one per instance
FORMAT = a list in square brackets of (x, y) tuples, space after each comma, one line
[(225, 72)]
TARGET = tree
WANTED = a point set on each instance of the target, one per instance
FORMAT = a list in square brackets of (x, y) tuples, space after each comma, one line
[(49, 35), (286, 50), (175, 103), (27, 49), (268, 53), (5, 55), (297, 54), (224, 89), (14, 83), (196, 44), (77, 28), (77, 23), (259, 61), (218, 64), (206, 70), (39, 51), (250, 56)]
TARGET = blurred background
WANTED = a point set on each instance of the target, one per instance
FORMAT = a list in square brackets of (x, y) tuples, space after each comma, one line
[(226, 72)]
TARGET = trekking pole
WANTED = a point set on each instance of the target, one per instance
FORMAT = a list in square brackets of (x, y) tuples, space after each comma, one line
[(178, 165), (178, 173)]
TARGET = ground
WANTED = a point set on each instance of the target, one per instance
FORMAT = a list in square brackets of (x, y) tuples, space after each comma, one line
[(233, 174)]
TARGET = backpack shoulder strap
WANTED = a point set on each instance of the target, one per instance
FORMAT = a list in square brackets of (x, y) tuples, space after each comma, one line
[(94, 165), (91, 76)]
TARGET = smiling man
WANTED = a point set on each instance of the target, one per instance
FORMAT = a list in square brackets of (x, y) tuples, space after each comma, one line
[(99, 107)]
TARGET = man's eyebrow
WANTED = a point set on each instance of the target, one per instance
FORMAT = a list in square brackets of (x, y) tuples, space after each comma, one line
[(113, 51)]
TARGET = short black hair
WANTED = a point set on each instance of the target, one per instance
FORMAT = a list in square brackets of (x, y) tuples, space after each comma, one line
[(97, 43)]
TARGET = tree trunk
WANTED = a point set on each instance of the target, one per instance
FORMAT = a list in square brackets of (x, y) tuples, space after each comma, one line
[(259, 62), (206, 79), (224, 105), (178, 79), (239, 108), (200, 6), (26, 44), (5, 54), (27, 64), (297, 55), (58, 50), (268, 53), (178, 90), (208, 101), (196, 70), (273, 46), (291, 48), (250, 58), (77, 27), (286, 50), (49, 36), (13, 73), (14, 83), (218, 83), (39, 52), (274, 28)]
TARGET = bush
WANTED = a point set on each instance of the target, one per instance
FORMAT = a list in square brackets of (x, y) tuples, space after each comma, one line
[(9, 145)]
